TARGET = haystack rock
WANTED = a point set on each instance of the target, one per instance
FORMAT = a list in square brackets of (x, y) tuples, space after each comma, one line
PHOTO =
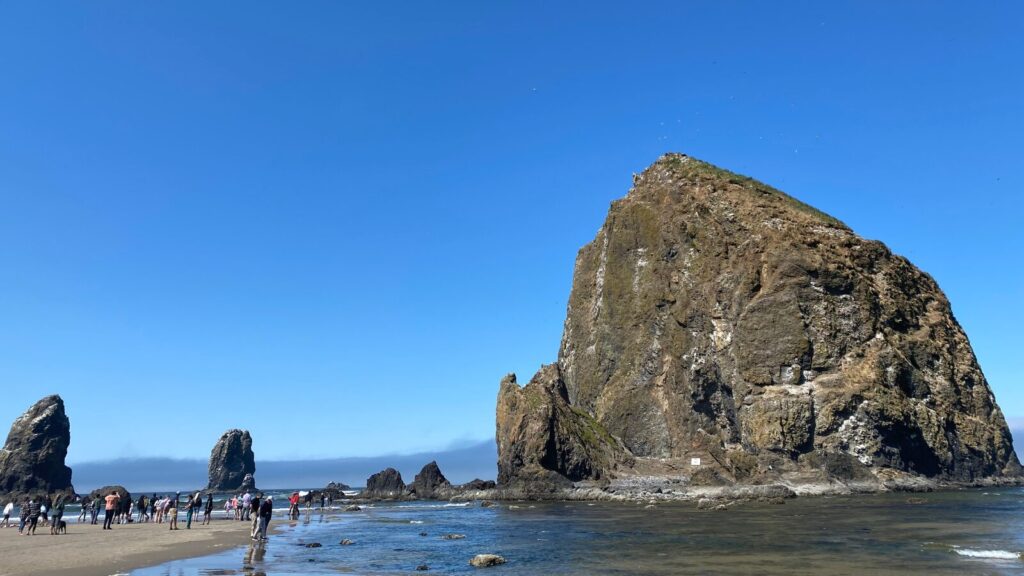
[(720, 332), (430, 483), (232, 462), (387, 483), (32, 459)]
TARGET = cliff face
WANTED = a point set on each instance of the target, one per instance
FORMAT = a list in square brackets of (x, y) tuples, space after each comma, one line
[(232, 462), (714, 317), (32, 459)]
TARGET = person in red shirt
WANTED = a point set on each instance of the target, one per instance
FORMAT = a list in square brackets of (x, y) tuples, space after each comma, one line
[(293, 508), (112, 500)]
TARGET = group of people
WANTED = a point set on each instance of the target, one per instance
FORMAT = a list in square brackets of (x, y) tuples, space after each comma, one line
[(33, 510), (50, 511), (252, 508)]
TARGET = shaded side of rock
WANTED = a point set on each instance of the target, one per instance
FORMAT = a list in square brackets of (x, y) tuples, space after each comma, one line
[(232, 462), (32, 459)]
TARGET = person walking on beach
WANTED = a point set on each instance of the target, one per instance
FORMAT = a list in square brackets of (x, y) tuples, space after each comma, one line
[(94, 509), (266, 511), (255, 512), (246, 503), (58, 511), (34, 510), (208, 511), (23, 518), (191, 507), (152, 507), (85, 509), (6, 522), (111, 503), (142, 508)]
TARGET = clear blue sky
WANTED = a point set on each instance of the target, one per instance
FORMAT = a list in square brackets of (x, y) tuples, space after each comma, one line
[(340, 224)]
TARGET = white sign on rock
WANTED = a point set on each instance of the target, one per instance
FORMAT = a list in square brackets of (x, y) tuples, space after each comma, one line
[(694, 461)]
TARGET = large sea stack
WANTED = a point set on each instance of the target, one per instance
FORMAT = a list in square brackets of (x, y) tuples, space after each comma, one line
[(720, 332), (232, 463), (32, 459)]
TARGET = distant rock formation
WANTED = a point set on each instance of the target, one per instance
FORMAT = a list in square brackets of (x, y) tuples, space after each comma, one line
[(32, 459), (720, 332), (386, 484), (430, 483), (232, 463), (477, 484)]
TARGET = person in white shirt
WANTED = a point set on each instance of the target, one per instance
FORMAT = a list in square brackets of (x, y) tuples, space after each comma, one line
[(6, 522)]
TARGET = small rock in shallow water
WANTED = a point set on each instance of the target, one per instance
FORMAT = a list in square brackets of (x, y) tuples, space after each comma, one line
[(486, 560), (423, 533), (453, 537), (486, 504), (352, 508), (423, 567), (313, 545), (346, 542)]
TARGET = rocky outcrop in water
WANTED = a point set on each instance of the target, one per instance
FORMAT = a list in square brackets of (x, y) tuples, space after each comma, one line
[(386, 484), (720, 332), (100, 495), (232, 462), (32, 459), (430, 483)]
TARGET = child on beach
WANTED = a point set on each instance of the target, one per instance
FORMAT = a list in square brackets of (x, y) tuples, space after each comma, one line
[(6, 523), (172, 513)]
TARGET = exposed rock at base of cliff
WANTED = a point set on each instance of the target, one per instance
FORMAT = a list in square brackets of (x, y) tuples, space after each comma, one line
[(722, 333), (546, 442), (232, 462), (32, 459)]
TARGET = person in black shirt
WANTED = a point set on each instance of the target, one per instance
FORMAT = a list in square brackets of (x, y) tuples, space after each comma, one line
[(266, 511)]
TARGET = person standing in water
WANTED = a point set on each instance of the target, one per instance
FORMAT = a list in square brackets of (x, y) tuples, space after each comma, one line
[(266, 511), (255, 514)]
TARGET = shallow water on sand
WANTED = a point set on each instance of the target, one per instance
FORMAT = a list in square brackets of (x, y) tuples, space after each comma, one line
[(962, 532)]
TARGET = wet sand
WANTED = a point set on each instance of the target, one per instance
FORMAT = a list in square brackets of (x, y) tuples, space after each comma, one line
[(88, 550)]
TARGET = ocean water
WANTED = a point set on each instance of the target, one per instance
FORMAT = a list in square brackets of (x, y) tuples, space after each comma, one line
[(958, 532)]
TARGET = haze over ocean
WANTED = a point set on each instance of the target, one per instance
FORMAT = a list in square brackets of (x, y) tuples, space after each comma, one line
[(339, 229)]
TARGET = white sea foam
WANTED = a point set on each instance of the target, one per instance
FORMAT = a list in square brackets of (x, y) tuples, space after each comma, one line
[(415, 521), (988, 554)]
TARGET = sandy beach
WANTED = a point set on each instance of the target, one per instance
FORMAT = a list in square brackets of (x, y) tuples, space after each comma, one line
[(88, 550)]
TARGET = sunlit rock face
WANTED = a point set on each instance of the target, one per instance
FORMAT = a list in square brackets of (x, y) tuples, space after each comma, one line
[(716, 318)]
